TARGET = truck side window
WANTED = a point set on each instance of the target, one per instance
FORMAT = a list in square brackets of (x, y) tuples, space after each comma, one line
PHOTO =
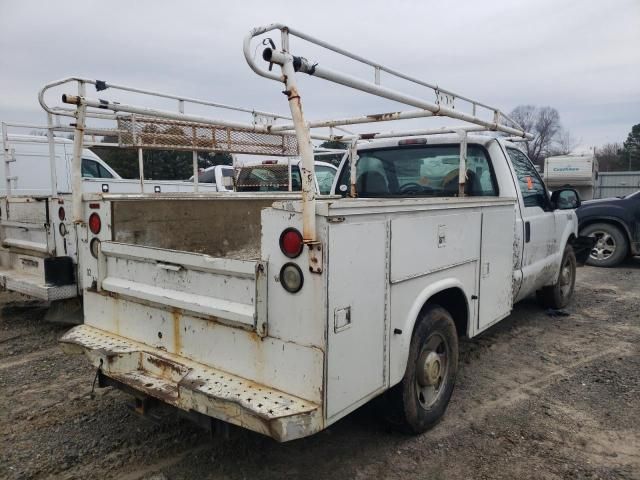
[(534, 193), (104, 173), (92, 169)]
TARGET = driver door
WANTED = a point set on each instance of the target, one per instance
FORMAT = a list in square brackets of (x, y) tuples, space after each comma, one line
[(540, 247)]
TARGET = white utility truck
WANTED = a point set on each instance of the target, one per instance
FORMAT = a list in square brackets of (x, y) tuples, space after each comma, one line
[(38, 244), (284, 315), (578, 171)]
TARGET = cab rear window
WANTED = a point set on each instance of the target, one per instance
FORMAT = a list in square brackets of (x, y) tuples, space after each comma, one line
[(424, 171)]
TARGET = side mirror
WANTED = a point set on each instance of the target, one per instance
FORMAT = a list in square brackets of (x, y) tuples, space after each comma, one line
[(565, 199)]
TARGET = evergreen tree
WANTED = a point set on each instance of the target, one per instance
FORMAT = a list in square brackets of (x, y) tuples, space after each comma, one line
[(631, 149)]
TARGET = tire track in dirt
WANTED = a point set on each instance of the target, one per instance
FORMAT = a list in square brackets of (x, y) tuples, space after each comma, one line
[(31, 357)]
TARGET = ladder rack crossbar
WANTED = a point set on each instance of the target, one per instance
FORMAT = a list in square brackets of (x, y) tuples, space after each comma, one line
[(443, 106)]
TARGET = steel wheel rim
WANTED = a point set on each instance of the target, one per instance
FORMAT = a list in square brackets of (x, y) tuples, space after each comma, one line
[(566, 277), (432, 371), (605, 245)]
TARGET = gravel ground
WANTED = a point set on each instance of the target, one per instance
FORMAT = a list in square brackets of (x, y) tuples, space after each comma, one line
[(537, 397)]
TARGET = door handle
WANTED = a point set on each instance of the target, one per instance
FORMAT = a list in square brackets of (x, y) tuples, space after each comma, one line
[(527, 232), (169, 266)]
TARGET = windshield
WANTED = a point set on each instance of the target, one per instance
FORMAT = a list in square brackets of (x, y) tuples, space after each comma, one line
[(424, 171)]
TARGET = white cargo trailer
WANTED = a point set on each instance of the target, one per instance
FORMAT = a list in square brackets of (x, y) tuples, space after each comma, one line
[(578, 171), (284, 316)]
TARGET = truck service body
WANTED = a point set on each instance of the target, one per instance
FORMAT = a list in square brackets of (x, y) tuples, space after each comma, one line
[(283, 314)]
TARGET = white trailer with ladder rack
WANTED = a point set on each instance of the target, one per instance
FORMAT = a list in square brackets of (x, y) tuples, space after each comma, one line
[(298, 309)]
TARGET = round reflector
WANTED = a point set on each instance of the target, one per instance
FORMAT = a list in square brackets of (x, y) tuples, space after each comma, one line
[(291, 277), (95, 224), (291, 242), (95, 243), (61, 214)]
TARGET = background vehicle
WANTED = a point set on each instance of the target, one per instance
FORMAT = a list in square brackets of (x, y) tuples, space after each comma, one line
[(38, 255), (577, 171), (284, 316), (271, 176), (30, 165), (615, 225), (221, 176)]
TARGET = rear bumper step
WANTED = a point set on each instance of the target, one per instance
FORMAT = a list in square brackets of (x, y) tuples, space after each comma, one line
[(192, 386), (35, 286)]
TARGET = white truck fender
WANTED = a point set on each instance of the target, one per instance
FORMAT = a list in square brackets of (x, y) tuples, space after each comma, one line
[(570, 229), (400, 343)]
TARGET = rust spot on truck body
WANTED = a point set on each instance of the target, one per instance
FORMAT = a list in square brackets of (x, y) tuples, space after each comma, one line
[(165, 365)]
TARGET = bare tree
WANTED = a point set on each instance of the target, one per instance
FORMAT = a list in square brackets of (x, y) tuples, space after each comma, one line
[(565, 142), (544, 123), (610, 157)]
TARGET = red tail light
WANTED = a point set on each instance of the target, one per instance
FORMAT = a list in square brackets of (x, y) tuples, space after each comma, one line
[(95, 224), (291, 242), (61, 214)]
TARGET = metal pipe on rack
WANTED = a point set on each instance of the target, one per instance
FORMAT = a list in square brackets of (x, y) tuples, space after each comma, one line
[(7, 158), (150, 112), (105, 85), (414, 133), (305, 66), (76, 162), (462, 165), (305, 149), (439, 91), (372, 118), (195, 171), (52, 154), (141, 168)]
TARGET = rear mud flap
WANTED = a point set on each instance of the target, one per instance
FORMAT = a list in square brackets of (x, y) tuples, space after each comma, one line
[(582, 247)]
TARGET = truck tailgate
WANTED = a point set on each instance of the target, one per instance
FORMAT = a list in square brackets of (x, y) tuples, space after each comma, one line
[(24, 225), (225, 290)]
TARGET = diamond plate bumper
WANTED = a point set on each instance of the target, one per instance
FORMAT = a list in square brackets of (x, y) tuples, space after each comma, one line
[(193, 386), (34, 286)]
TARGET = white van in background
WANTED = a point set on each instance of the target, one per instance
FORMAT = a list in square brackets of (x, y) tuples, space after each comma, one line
[(30, 172), (577, 170)]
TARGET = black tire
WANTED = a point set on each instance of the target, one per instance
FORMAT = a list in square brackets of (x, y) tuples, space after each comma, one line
[(559, 295), (434, 333), (612, 245)]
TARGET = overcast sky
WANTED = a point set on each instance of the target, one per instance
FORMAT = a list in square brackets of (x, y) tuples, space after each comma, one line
[(579, 56)]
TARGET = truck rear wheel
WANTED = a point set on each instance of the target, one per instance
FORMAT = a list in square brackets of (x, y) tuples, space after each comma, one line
[(559, 294), (419, 401)]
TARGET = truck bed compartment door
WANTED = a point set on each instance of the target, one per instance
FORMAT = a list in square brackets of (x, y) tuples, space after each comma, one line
[(497, 262), (24, 225), (357, 314)]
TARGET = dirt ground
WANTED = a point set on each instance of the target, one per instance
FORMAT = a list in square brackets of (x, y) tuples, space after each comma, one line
[(536, 397)]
